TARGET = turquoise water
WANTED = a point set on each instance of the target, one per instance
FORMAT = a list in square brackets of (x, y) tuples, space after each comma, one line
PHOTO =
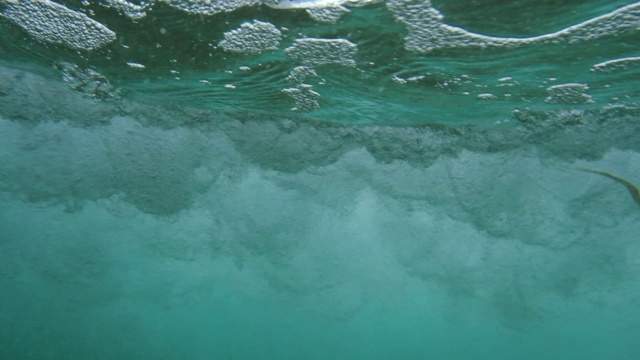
[(319, 179)]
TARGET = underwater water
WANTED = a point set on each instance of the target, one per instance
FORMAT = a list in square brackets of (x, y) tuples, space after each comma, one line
[(319, 179)]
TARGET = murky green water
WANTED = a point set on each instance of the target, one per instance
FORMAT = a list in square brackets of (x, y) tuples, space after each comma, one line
[(319, 179)]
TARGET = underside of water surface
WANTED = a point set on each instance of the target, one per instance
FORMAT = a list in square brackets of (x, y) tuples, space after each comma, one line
[(319, 179)]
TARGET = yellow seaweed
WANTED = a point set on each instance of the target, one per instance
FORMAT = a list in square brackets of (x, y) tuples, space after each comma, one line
[(633, 190)]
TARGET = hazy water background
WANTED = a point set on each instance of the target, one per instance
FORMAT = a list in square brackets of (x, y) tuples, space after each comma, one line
[(376, 180)]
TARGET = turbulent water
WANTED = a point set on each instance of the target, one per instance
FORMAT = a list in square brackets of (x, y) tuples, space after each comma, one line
[(319, 179)]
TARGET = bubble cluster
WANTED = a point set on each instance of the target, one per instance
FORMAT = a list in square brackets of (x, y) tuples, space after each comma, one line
[(617, 65), (252, 38), (306, 99), (132, 11), (302, 4), (135, 65), (429, 32), (300, 73), (328, 15), (209, 7), (49, 22), (87, 81), (569, 94), (316, 4), (312, 51)]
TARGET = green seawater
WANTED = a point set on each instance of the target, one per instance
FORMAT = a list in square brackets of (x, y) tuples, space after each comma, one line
[(312, 179)]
